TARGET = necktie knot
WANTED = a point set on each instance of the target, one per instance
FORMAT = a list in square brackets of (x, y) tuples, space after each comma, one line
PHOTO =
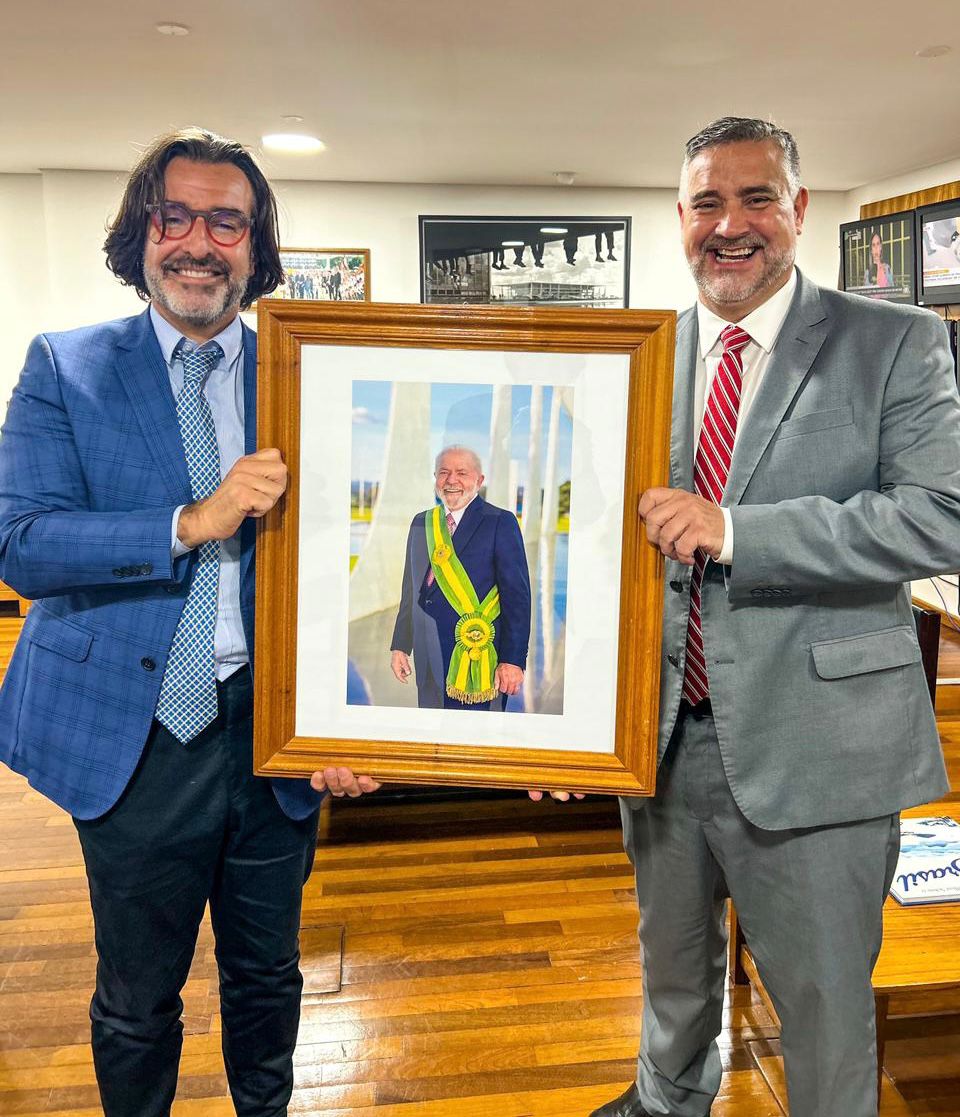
[(197, 363), (734, 338)]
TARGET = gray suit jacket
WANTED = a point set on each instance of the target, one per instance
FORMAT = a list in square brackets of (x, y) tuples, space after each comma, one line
[(844, 485)]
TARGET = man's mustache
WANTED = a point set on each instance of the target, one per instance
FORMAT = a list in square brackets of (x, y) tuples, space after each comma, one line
[(208, 263), (723, 244)]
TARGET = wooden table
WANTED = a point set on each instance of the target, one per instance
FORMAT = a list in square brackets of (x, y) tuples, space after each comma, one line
[(918, 971)]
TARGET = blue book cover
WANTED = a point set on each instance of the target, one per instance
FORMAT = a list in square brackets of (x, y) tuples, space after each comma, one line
[(928, 871)]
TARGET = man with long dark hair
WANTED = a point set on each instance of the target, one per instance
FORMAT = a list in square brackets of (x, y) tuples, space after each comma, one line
[(130, 484)]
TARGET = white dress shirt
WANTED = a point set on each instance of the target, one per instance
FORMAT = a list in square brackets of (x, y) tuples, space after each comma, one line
[(224, 393), (763, 325), (458, 513)]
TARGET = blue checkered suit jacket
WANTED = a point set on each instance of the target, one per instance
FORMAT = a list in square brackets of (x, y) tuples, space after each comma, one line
[(91, 470)]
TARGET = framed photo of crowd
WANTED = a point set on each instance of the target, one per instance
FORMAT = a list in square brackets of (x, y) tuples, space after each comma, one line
[(456, 587), (328, 274), (525, 261)]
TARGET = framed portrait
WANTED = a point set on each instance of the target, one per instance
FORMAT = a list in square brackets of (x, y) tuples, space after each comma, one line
[(525, 261), (328, 274), (456, 587)]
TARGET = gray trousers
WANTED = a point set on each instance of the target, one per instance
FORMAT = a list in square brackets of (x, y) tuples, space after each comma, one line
[(810, 905)]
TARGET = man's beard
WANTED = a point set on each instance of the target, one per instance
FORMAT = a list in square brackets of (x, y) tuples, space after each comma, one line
[(731, 289), (463, 498), (195, 307)]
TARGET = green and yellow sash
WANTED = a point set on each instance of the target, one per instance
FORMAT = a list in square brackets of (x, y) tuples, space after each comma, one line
[(474, 660)]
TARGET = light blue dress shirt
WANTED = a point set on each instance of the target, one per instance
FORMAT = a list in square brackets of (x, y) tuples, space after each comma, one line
[(224, 392)]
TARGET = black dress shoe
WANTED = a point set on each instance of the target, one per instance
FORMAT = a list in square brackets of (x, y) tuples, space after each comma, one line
[(627, 1105)]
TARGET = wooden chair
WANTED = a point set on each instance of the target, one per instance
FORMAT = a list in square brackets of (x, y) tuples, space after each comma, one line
[(743, 970)]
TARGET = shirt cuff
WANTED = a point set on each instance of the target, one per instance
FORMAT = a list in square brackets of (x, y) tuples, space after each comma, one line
[(176, 547), (725, 558)]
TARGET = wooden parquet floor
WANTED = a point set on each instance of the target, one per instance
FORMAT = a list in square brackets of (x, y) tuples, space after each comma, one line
[(464, 959)]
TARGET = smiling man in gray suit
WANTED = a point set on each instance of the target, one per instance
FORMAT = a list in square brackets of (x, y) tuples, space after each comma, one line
[(815, 468)]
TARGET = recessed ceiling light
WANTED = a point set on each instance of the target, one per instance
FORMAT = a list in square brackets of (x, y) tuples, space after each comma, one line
[(293, 143), (552, 229), (173, 29), (291, 118), (565, 178), (937, 51)]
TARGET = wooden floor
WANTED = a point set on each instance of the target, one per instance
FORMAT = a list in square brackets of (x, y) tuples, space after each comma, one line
[(471, 959)]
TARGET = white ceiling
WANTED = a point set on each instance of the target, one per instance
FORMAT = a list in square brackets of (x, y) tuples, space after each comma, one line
[(485, 91)]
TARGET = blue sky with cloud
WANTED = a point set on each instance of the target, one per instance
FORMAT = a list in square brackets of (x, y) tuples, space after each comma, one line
[(459, 413)]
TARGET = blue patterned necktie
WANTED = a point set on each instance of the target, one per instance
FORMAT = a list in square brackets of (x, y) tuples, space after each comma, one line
[(188, 694)]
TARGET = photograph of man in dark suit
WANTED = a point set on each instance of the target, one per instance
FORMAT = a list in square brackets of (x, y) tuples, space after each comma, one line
[(815, 470), (488, 546), (130, 486)]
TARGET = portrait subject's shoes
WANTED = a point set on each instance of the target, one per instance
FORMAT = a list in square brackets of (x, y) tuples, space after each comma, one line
[(627, 1105)]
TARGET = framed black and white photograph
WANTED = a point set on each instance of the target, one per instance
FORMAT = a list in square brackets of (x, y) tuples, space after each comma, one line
[(525, 261)]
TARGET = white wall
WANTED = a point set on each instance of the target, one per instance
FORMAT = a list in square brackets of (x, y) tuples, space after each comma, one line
[(52, 229), (24, 280), (383, 217), (903, 184)]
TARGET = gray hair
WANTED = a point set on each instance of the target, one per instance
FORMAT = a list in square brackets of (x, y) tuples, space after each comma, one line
[(455, 449), (739, 129)]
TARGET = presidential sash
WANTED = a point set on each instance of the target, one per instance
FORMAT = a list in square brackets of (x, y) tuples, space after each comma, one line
[(474, 660)]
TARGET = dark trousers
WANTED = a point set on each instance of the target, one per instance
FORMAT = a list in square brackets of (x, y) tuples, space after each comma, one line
[(195, 825)]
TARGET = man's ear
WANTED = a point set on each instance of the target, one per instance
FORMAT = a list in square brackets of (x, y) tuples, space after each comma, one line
[(800, 207)]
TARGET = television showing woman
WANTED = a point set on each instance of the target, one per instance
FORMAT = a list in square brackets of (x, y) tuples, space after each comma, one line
[(879, 272)]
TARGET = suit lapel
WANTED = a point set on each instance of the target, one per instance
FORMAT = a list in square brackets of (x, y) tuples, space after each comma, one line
[(684, 383), (801, 336), (469, 522), (144, 376)]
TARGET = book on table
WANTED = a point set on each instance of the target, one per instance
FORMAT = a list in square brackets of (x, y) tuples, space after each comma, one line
[(928, 871)]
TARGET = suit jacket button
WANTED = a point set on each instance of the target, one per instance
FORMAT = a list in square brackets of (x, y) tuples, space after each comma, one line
[(673, 661), (148, 664), (170, 589), (677, 586)]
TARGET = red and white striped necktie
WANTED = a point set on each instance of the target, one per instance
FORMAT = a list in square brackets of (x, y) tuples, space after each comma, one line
[(711, 466)]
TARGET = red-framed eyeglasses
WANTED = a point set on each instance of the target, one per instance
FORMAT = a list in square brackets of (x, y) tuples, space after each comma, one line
[(173, 221)]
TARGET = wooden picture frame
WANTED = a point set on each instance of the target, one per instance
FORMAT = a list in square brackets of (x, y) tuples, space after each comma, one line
[(303, 720), (327, 274)]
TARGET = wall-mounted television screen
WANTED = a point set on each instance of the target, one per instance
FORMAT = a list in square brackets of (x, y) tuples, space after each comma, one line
[(878, 258), (938, 254)]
